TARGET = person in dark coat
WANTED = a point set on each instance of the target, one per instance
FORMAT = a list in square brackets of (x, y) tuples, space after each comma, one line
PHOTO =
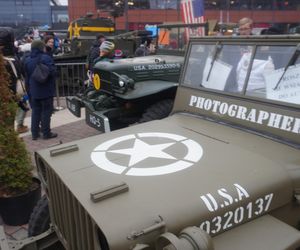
[(41, 94), (95, 50)]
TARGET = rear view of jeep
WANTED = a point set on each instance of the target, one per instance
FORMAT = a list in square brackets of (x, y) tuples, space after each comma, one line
[(221, 172)]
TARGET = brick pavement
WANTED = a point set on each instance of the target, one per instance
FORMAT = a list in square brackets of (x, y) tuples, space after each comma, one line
[(67, 131)]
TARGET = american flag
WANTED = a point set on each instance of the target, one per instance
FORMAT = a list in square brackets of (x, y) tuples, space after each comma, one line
[(193, 12)]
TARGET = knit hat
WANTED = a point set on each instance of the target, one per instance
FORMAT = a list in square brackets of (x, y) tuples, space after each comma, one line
[(38, 44), (99, 36), (107, 46), (118, 53)]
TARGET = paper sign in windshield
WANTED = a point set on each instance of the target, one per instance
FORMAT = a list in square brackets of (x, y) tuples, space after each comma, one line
[(215, 74), (259, 68), (288, 89)]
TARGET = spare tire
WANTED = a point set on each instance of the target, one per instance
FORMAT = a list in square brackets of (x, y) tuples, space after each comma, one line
[(7, 41)]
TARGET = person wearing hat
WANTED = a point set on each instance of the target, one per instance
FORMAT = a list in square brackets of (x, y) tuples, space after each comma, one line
[(40, 94), (94, 50), (106, 51)]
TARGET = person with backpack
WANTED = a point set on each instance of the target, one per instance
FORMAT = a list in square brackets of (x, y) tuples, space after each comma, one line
[(41, 93)]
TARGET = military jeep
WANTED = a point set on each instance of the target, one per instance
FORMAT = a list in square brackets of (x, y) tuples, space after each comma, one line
[(221, 172), (140, 89)]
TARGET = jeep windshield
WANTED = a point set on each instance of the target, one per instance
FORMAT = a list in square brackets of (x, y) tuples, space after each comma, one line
[(251, 82), (270, 72), (175, 37)]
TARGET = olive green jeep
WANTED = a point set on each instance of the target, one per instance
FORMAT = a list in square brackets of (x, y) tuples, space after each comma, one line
[(133, 90), (221, 172)]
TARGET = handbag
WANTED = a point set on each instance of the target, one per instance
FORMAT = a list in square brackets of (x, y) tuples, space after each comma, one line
[(41, 72)]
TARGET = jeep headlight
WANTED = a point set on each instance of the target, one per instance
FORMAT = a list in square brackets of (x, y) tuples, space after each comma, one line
[(124, 80), (121, 83)]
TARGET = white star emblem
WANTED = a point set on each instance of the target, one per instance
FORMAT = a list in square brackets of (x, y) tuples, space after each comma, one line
[(142, 150)]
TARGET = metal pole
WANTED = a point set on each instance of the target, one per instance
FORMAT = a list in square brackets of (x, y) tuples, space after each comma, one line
[(126, 15), (227, 7), (58, 107), (178, 10)]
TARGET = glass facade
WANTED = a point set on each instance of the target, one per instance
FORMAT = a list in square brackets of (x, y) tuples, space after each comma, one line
[(220, 4), (138, 4), (209, 4), (252, 4), (163, 4), (18, 12)]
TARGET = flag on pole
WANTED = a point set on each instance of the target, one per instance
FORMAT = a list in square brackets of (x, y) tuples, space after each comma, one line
[(193, 12)]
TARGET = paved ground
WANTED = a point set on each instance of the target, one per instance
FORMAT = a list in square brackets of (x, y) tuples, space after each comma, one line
[(68, 128)]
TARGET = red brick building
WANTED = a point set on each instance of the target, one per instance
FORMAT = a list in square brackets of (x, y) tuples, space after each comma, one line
[(143, 12)]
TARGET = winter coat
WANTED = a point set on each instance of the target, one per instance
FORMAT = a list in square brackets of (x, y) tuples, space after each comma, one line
[(13, 68), (93, 53), (40, 90)]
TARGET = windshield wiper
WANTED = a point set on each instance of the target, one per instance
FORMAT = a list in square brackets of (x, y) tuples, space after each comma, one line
[(292, 61), (217, 51)]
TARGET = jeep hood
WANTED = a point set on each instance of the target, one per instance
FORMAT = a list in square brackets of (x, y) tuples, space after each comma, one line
[(182, 170)]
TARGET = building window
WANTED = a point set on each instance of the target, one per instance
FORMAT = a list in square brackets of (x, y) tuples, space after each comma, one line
[(262, 4), (138, 4), (221, 4), (234, 4), (105, 5), (212, 4), (23, 2), (163, 4), (245, 5), (287, 4), (252, 4)]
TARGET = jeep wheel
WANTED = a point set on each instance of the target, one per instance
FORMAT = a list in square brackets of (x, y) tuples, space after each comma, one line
[(39, 221), (157, 111)]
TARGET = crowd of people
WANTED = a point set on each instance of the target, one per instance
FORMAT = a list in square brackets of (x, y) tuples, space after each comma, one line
[(28, 53)]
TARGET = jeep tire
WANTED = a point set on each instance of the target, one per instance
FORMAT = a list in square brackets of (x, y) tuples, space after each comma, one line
[(39, 221), (157, 111)]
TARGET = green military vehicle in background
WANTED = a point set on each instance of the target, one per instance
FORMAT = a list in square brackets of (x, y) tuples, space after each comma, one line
[(133, 90), (82, 33), (221, 172), (71, 57)]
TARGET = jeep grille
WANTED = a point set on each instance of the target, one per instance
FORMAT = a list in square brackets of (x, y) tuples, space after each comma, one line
[(73, 225)]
